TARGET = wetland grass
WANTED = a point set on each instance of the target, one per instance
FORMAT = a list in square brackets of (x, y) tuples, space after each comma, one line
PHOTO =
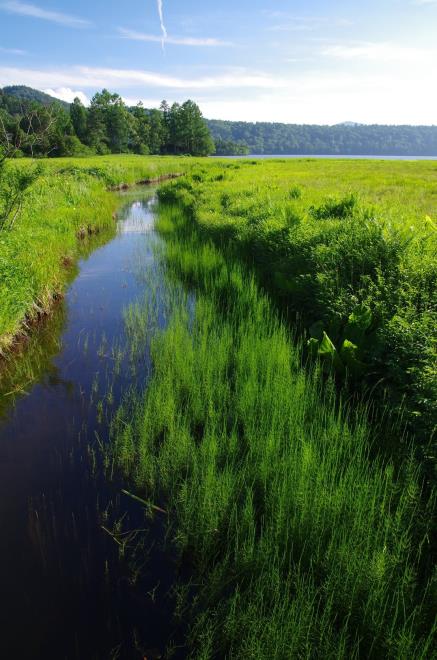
[(348, 252), (301, 538), (300, 542), (66, 205)]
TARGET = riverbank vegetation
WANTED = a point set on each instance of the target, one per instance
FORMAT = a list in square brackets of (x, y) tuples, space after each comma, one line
[(65, 202), (348, 251), (301, 540)]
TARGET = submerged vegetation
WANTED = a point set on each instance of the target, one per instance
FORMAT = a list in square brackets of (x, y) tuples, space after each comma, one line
[(302, 541)]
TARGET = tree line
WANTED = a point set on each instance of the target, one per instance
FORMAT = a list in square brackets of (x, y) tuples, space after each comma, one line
[(108, 125), (347, 139)]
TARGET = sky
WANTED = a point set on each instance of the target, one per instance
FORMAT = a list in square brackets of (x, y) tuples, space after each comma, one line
[(312, 62)]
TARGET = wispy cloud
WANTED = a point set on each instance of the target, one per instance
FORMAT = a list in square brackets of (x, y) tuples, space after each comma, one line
[(147, 102), (25, 9), (399, 96), (378, 51), (13, 51), (294, 23), (161, 21), (178, 41), (96, 77)]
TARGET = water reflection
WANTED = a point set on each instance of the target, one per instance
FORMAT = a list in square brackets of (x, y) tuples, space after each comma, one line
[(69, 590)]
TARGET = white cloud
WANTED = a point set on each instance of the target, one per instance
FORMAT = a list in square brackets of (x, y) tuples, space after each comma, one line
[(67, 94), (380, 52), (318, 98), (95, 77), (13, 51), (178, 41), (380, 103), (403, 95), (24, 9), (292, 23)]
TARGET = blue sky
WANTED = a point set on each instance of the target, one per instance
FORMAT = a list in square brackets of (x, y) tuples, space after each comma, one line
[(291, 61)]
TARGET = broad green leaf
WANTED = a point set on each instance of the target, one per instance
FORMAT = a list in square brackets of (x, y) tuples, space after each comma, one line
[(359, 321), (326, 346), (328, 351)]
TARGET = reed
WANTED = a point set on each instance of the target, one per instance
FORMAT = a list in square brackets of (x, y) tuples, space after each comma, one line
[(302, 541)]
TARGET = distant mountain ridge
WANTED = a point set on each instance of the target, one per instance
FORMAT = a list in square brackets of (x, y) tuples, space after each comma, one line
[(29, 94)]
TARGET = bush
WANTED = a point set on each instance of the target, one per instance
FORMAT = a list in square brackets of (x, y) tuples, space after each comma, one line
[(336, 208)]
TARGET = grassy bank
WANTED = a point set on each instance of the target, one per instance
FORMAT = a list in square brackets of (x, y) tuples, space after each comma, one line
[(68, 202), (123, 169), (300, 544), (348, 248)]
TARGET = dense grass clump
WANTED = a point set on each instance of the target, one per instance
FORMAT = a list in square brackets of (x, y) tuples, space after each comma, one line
[(301, 544), (349, 252), (36, 253)]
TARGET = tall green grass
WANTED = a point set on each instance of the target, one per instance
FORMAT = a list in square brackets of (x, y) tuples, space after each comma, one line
[(347, 249), (301, 542), (114, 170), (36, 254)]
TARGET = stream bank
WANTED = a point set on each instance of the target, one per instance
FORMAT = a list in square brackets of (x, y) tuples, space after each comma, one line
[(76, 583)]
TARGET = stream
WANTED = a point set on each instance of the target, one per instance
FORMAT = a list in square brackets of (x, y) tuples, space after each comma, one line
[(70, 587)]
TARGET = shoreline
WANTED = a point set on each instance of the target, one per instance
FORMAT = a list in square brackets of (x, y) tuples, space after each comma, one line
[(40, 310)]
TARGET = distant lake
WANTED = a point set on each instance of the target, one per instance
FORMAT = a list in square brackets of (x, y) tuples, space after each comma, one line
[(349, 157)]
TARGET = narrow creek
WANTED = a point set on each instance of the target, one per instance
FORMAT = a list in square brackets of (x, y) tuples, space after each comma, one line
[(68, 588)]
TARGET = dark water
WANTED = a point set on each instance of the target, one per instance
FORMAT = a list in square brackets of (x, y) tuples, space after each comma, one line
[(68, 589)]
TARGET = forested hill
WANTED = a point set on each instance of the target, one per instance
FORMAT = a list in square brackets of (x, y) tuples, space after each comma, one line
[(358, 139), (29, 94)]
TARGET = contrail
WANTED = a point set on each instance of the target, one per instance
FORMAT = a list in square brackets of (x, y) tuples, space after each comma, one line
[(161, 20)]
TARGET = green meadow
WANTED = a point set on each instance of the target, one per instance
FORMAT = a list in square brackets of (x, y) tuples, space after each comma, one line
[(288, 426), (305, 520), (348, 250)]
